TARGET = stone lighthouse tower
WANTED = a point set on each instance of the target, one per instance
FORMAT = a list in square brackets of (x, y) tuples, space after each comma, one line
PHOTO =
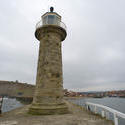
[(48, 96)]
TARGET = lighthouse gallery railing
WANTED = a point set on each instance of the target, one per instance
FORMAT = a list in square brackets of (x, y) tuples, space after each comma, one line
[(60, 24)]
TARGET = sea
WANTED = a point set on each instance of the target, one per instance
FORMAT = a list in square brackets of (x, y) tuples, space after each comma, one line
[(115, 103), (10, 104)]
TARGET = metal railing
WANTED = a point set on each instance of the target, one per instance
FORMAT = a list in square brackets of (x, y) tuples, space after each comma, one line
[(105, 111), (60, 24)]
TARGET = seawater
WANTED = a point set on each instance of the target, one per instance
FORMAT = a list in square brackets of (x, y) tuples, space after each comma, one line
[(10, 104), (115, 103)]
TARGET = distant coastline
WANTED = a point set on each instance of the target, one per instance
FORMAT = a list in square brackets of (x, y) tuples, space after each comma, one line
[(25, 90)]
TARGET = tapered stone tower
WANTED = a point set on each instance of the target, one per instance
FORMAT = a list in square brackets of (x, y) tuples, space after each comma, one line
[(48, 97)]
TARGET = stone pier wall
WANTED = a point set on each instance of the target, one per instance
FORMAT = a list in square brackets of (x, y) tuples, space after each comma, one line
[(16, 89)]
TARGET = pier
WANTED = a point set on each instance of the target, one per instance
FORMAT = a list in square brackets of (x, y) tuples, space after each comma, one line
[(76, 116)]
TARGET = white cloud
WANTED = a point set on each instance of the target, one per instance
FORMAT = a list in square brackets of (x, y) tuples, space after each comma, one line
[(93, 52)]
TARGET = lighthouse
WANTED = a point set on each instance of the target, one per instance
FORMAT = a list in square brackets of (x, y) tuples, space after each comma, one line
[(48, 96)]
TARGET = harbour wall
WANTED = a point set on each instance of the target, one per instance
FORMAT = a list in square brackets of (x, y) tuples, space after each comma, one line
[(16, 89)]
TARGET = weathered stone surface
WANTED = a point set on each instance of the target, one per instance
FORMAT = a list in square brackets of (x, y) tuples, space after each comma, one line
[(48, 97), (77, 116)]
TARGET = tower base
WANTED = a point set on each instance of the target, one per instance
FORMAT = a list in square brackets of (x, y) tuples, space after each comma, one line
[(48, 109)]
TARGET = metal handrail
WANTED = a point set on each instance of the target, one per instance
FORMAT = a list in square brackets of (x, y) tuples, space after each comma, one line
[(115, 112), (60, 24)]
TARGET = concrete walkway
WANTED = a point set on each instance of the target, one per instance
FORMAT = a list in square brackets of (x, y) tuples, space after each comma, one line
[(78, 116)]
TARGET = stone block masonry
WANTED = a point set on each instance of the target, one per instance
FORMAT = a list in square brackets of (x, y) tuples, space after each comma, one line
[(48, 97)]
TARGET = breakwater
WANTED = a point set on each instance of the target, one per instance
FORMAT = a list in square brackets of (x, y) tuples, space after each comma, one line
[(16, 89), (76, 116)]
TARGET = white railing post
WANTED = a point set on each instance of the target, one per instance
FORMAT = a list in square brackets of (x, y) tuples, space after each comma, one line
[(107, 115), (103, 113), (95, 109), (87, 107), (115, 119)]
